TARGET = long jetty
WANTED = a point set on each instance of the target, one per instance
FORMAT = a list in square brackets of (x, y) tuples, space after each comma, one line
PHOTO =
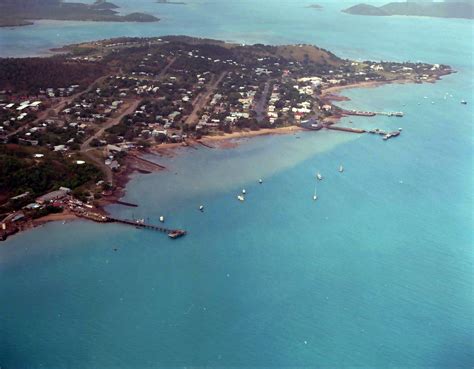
[(359, 113), (346, 129), (172, 233)]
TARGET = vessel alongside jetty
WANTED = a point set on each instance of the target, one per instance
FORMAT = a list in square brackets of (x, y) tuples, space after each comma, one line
[(99, 218)]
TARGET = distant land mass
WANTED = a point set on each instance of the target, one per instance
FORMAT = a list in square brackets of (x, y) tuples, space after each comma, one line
[(21, 12), (170, 2), (448, 9)]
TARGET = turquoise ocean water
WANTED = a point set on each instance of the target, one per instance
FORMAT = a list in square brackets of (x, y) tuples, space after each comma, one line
[(376, 274)]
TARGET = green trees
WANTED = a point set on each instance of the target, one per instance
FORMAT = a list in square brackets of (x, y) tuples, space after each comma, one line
[(32, 74), (20, 173)]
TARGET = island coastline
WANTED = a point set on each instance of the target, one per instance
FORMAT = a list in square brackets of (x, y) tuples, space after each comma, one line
[(133, 163)]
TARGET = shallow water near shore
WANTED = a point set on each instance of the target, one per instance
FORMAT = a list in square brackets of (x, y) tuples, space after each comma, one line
[(376, 273)]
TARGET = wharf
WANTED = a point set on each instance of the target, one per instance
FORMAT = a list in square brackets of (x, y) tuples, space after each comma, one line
[(346, 129), (99, 218), (386, 135), (172, 233), (359, 113)]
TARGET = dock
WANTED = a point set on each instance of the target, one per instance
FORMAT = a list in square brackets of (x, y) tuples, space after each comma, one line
[(172, 233), (346, 129), (359, 113), (100, 218), (386, 135)]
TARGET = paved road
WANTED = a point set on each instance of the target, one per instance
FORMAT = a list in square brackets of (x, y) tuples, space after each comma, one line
[(203, 99), (86, 148), (58, 107)]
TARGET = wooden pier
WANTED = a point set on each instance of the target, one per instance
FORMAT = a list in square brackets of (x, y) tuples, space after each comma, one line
[(359, 113), (386, 135), (346, 129), (172, 233)]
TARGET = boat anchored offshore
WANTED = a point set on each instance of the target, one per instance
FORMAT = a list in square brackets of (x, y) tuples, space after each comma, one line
[(464, 102), (240, 198), (341, 169), (244, 191), (162, 219), (319, 176), (315, 196), (260, 181), (201, 208)]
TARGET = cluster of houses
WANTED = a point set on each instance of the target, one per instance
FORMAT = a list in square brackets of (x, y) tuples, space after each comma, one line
[(14, 114)]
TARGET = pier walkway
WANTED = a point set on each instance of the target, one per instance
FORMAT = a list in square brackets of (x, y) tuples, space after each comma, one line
[(359, 113), (172, 233), (346, 129)]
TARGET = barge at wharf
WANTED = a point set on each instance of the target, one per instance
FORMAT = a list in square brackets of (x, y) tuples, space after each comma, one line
[(99, 218)]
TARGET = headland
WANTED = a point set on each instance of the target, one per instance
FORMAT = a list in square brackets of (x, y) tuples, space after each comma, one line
[(76, 125), (23, 12)]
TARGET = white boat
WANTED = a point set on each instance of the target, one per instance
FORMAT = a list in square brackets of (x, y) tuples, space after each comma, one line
[(319, 176), (315, 196), (240, 198), (244, 191), (341, 169), (162, 219), (464, 102), (201, 208), (260, 181)]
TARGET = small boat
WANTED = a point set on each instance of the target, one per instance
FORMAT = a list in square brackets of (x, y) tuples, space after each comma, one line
[(240, 198), (162, 219), (464, 102), (260, 181), (400, 129), (319, 176), (244, 191), (176, 234), (341, 169), (201, 208), (315, 196)]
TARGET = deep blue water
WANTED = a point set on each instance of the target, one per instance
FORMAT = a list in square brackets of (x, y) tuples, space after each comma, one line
[(376, 274)]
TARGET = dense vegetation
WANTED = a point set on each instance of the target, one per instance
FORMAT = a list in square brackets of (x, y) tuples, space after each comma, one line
[(57, 9), (20, 172), (31, 74)]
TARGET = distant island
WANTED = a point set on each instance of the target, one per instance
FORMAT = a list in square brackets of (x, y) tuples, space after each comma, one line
[(451, 9), (169, 2), (22, 12)]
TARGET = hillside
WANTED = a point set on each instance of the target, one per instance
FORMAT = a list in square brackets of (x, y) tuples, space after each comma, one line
[(18, 13), (435, 9)]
